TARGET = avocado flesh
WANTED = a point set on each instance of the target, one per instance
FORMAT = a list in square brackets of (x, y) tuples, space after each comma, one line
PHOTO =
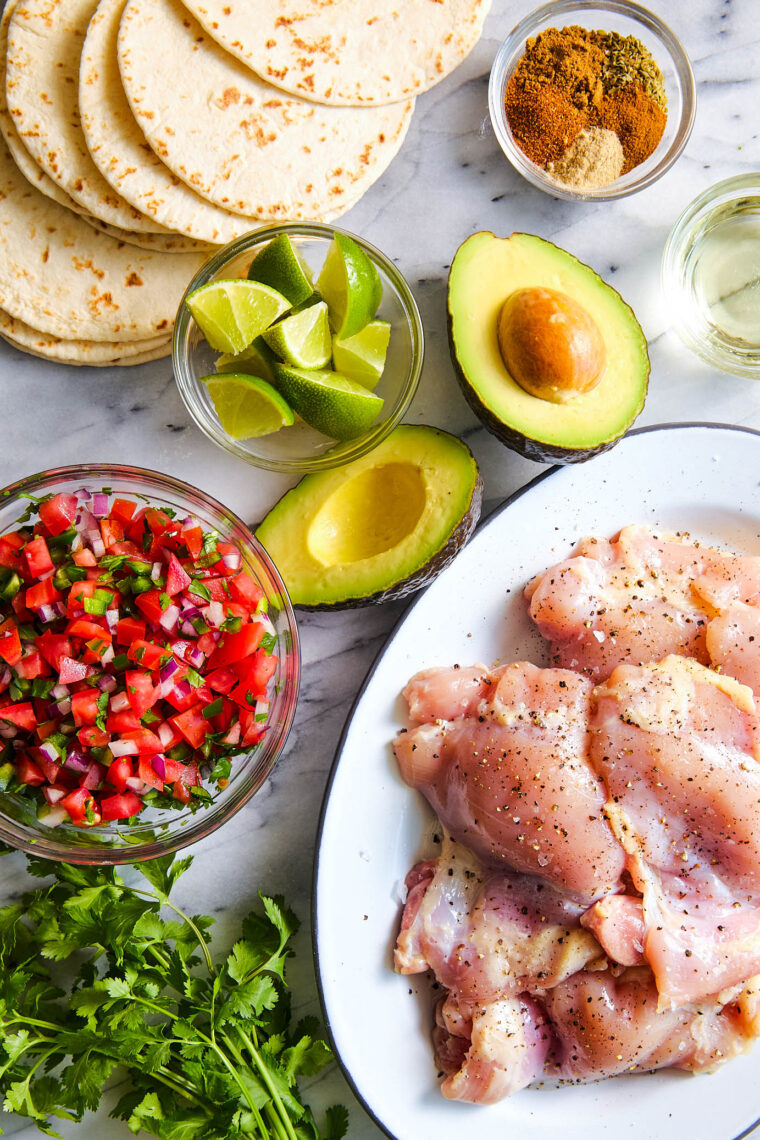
[(485, 271), (379, 527)]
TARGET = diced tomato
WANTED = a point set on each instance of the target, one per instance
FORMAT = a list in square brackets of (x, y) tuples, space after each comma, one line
[(130, 629), (146, 741), (37, 557), (158, 521), (121, 806), (77, 594), (130, 550), (70, 671), (246, 590), (124, 721), (41, 594), (84, 558), (9, 556), (147, 773), (206, 644), (79, 804), (147, 654), (221, 680), (10, 642), (236, 646), (51, 769), (31, 666), (173, 768), (119, 772), (188, 778), (88, 629), (149, 604), (22, 715), (93, 737), (53, 646), (29, 773), (95, 774), (141, 691), (59, 513), (122, 510), (192, 537), (177, 578), (193, 725), (84, 706), (111, 531)]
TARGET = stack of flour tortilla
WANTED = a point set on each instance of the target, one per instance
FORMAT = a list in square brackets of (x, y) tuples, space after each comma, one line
[(141, 134)]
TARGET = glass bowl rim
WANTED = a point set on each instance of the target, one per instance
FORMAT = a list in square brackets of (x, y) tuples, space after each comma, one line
[(514, 42), (188, 386), (207, 820), (733, 187)]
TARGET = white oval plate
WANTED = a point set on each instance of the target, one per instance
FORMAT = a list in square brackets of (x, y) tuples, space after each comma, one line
[(700, 478)]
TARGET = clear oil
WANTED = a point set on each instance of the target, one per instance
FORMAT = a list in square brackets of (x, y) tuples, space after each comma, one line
[(726, 273)]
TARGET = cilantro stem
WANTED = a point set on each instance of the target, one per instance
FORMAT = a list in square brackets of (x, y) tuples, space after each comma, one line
[(163, 900), (289, 1130)]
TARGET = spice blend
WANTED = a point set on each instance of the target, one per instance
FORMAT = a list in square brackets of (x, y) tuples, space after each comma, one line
[(574, 88)]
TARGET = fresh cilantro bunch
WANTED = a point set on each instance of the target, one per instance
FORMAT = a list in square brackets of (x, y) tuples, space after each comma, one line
[(208, 1047)]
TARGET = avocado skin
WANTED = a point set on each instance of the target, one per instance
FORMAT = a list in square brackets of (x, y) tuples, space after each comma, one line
[(425, 575), (538, 451)]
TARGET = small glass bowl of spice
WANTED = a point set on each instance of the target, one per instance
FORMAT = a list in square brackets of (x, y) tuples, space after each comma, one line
[(592, 100)]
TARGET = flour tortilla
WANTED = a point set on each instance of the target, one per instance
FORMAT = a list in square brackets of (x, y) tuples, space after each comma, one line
[(358, 52), (51, 353), (61, 276), (234, 138), (28, 339), (44, 42)]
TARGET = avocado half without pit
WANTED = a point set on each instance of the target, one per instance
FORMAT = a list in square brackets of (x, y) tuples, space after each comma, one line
[(378, 528), (549, 357)]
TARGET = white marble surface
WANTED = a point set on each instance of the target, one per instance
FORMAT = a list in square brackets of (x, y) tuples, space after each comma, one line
[(449, 180)]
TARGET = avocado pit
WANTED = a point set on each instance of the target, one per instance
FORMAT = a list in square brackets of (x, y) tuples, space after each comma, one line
[(551, 345), (377, 509)]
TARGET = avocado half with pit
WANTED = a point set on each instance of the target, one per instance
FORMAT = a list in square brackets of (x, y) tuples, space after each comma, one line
[(379, 527), (486, 272)]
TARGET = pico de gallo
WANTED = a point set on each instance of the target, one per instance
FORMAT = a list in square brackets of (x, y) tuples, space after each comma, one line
[(136, 658)]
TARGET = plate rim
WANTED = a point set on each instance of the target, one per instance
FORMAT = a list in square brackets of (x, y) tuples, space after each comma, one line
[(649, 429)]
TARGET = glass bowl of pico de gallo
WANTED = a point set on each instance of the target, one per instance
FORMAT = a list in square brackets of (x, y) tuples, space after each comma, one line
[(149, 664)]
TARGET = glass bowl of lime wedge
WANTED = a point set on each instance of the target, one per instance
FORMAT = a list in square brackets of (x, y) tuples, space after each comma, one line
[(298, 347)]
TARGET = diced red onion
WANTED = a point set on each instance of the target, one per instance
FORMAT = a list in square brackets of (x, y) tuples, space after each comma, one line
[(76, 544), (99, 505), (135, 784), (232, 560), (216, 635), (46, 575), (63, 707), (180, 648), (5, 676), (168, 669), (214, 613), (93, 776), (169, 618), (158, 765), (112, 619), (98, 547), (187, 629), (76, 761), (83, 495), (165, 733), (189, 522), (59, 691), (155, 571), (123, 748), (183, 689), (53, 795), (261, 707), (119, 702), (7, 731), (46, 613), (49, 752), (189, 609), (108, 655), (194, 657), (107, 683)]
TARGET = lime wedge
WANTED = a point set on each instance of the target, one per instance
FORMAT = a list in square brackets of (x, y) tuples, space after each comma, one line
[(256, 360), (302, 339), (280, 266), (327, 401), (362, 357), (247, 405), (351, 285), (230, 314)]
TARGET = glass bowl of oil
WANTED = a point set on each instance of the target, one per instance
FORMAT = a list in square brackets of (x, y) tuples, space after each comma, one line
[(711, 275)]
